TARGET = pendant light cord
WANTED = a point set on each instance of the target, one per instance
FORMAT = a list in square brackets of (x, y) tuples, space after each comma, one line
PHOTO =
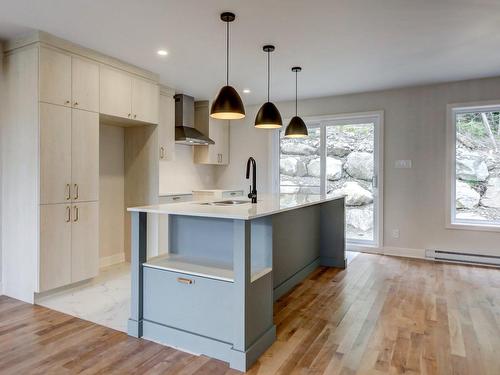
[(296, 75), (268, 72), (227, 53)]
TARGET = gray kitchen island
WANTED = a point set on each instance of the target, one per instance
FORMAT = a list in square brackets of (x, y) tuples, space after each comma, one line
[(213, 293)]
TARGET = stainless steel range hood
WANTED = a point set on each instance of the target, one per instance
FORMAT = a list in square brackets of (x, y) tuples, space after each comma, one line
[(185, 132)]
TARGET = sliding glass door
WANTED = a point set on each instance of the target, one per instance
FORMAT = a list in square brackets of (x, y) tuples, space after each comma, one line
[(341, 156)]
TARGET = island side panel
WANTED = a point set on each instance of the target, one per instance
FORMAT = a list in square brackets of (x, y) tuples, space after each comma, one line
[(242, 274), (332, 242), (138, 257), (296, 246), (254, 327)]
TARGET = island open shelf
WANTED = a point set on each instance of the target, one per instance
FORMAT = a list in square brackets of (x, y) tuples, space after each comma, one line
[(201, 267)]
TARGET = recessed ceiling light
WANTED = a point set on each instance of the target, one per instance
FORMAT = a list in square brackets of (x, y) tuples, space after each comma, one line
[(162, 52), (246, 91)]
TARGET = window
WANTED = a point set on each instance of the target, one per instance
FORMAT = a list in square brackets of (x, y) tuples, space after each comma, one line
[(341, 156), (475, 177)]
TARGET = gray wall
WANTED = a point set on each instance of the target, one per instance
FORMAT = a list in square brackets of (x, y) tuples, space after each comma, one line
[(415, 129)]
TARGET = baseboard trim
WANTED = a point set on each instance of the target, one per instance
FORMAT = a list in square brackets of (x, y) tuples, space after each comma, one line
[(112, 259), (196, 344), (404, 252), (295, 279)]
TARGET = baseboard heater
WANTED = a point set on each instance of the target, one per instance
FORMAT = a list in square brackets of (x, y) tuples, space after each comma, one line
[(451, 256)]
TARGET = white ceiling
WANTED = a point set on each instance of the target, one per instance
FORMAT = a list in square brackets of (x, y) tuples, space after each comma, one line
[(344, 46)]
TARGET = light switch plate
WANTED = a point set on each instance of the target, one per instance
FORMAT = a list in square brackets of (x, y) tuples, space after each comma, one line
[(402, 164)]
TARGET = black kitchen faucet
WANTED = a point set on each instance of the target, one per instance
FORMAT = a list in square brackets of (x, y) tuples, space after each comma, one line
[(253, 188)]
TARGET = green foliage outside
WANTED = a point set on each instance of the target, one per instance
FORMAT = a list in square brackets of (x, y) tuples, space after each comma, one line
[(472, 124)]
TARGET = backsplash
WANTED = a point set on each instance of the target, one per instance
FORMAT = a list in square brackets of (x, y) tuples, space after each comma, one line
[(182, 174)]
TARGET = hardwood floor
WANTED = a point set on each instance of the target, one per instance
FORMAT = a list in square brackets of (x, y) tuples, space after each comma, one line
[(383, 315)]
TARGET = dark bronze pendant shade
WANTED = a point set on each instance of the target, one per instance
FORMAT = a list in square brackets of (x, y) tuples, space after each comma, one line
[(228, 104), (296, 128), (268, 116)]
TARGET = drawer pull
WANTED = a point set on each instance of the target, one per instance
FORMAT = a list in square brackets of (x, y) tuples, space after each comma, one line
[(176, 198), (185, 281)]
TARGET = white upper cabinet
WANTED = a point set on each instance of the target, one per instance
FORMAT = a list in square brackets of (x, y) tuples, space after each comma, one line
[(145, 96), (217, 130), (84, 84), (166, 127), (219, 133), (126, 96), (68, 80), (115, 93), (55, 77)]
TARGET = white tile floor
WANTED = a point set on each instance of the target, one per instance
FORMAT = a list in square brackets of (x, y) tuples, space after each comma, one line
[(104, 300)]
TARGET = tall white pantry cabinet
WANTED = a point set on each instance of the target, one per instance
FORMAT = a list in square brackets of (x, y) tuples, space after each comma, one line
[(56, 95), (60, 94)]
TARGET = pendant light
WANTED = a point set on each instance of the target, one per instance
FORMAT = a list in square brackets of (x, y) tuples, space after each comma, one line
[(228, 104), (296, 128), (268, 116)]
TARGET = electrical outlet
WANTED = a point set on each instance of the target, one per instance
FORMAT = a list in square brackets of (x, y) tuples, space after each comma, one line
[(395, 233), (402, 164)]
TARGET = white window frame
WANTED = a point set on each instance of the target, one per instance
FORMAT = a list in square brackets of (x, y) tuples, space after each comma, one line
[(451, 138), (323, 121)]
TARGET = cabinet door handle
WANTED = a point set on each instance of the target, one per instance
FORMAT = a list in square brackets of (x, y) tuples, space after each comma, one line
[(76, 213), (76, 103), (135, 116), (68, 214), (162, 152), (67, 102), (68, 192), (183, 280), (176, 198), (76, 191), (130, 114)]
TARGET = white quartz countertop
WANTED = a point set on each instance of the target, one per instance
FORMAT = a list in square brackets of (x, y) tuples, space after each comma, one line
[(265, 206)]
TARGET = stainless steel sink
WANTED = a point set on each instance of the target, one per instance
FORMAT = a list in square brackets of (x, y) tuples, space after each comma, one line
[(229, 202)]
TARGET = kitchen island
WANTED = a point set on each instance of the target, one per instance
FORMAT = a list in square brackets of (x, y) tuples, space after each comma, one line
[(229, 261)]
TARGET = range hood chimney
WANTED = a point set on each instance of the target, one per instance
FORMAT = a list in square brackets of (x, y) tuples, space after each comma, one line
[(185, 132)]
